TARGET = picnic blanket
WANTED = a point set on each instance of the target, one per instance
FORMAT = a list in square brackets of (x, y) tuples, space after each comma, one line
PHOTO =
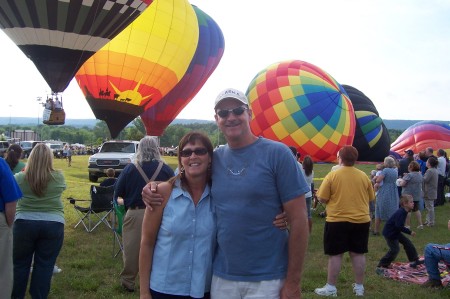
[(403, 272)]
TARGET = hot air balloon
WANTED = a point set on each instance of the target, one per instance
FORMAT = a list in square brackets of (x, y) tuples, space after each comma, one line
[(427, 133), (300, 105), (207, 56), (141, 64), (58, 36), (371, 135)]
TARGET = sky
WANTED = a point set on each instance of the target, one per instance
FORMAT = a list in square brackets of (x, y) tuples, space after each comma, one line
[(395, 52)]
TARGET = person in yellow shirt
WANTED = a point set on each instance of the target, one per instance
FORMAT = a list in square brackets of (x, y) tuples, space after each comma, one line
[(347, 192)]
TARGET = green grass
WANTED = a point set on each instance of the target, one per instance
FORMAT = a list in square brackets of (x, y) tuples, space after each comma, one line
[(91, 271)]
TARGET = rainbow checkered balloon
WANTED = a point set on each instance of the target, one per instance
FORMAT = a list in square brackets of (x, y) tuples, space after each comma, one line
[(300, 105)]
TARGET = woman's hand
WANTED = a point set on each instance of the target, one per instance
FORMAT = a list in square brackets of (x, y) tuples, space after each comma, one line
[(281, 221)]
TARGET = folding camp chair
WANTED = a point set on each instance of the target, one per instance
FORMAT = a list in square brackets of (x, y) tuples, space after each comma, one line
[(116, 226), (99, 209), (316, 206)]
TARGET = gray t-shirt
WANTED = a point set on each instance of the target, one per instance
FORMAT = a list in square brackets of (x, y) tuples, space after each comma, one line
[(413, 185)]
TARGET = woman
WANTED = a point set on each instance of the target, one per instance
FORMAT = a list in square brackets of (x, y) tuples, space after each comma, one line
[(13, 155), (129, 187), (347, 192), (308, 165), (387, 195), (430, 184), (411, 184), (170, 263), (39, 223)]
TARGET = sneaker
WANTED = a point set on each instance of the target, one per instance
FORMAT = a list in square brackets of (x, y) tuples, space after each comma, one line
[(420, 227), (327, 291), (416, 263), (432, 283), (56, 270), (358, 290), (407, 226)]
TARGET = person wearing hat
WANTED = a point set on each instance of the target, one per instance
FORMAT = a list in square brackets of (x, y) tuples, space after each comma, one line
[(251, 253)]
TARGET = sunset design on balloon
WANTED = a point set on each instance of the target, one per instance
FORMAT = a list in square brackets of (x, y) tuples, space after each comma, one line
[(141, 64)]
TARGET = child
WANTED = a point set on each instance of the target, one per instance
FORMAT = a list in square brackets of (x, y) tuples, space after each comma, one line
[(111, 180), (392, 232), (379, 169)]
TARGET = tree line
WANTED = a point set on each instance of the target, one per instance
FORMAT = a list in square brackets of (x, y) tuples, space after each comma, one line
[(99, 133)]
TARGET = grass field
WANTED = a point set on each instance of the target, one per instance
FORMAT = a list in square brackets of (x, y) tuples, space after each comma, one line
[(91, 271)]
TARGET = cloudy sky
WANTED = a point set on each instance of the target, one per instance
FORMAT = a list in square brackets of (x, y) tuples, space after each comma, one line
[(396, 52)]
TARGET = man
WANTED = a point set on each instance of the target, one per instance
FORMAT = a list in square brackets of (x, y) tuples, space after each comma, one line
[(9, 194), (253, 180), (442, 164), (347, 192), (434, 253), (404, 163)]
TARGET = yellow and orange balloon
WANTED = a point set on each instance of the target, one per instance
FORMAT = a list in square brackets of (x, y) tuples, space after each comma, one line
[(136, 69)]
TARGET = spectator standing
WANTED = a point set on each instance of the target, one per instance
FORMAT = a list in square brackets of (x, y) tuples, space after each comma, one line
[(13, 155), (39, 223), (347, 192), (170, 263), (430, 185), (442, 164), (308, 166), (411, 184), (387, 194), (422, 160), (9, 194), (129, 187), (255, 259), (262, 174), (69, 155)]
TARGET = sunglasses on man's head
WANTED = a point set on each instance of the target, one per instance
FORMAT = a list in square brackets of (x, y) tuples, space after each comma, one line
[(198, 152), (236, 111)]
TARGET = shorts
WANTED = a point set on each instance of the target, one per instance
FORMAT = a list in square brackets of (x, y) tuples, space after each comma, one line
[(227, 289), (416, 206), (308, 206), (340, 237)]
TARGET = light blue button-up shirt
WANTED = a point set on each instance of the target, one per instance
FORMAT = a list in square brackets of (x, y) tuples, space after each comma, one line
[(182, 259)]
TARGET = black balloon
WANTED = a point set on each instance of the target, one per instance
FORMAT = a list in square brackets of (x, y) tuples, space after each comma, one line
[(371, 135)]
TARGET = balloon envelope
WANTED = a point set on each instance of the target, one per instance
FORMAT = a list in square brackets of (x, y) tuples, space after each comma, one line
[(207, 56), (371, 135), (58, 36), (301, 105), (141, 64), (427, 133)]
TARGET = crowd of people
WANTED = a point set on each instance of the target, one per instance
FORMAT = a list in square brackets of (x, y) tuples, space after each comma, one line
[(183, 232)]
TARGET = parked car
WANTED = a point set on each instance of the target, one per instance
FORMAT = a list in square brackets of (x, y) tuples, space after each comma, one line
[(57, 149), (27, 146), (112, 154), (172, 151)]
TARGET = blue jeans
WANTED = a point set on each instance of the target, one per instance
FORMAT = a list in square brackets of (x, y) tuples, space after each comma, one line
[(433, 256), (44, 240)]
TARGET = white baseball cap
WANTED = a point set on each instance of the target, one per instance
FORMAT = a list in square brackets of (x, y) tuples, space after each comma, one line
[(233, 94)]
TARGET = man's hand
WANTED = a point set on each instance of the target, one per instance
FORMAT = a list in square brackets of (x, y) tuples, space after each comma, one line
[(290, 291), (150, 195)]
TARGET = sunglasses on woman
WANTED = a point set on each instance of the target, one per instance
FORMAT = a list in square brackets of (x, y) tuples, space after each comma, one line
[(198, 152), (223, 113)]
